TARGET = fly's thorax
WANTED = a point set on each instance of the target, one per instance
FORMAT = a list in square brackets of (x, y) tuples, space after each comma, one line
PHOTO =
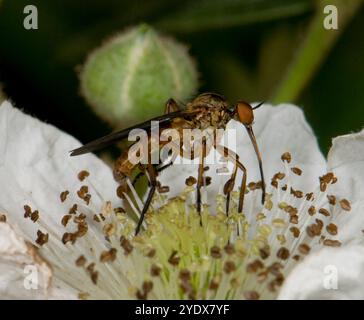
[(210, 100), (216, 118), (212, 110)]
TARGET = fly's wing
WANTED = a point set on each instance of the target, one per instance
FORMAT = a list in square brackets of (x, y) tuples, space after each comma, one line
[(117, 136)]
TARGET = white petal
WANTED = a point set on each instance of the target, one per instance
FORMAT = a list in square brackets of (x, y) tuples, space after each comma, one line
[(315, 277), (24, 274), (278, 129), (346, 159), (351, 224), (35, 167)]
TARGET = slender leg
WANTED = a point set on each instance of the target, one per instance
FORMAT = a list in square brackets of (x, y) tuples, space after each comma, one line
[(228, 187), (200, 181), (137, 177), (158, 169), (171, 106), (235, 159), (153, 184)]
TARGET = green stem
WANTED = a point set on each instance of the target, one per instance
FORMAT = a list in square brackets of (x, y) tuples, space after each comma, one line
[(314, 50), (204, 20)]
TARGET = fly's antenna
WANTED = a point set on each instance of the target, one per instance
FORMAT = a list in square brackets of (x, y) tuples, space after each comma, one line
[(259, 105)]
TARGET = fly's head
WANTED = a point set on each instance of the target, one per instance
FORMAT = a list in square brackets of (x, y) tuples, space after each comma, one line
[(244, 113)]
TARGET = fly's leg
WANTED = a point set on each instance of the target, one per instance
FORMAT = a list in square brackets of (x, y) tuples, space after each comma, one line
[(233, 157), (171, 106), (137, 177), (153, 184), (158, 169), (228, 187), (200, 180)]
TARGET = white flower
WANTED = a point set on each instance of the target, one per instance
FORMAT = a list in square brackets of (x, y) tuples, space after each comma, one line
[(87, 251)]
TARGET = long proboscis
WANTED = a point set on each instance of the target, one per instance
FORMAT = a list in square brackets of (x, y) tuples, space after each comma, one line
[(257, 152)]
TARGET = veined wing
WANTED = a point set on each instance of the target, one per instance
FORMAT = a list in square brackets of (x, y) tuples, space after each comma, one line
[(111, 138)]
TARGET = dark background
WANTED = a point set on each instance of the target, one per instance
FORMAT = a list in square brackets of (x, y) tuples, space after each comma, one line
[(243, 49)]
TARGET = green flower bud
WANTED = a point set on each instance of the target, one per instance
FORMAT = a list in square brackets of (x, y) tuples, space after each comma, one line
[(130, 77)]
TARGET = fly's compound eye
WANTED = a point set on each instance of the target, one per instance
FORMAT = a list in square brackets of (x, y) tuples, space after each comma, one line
[(245, 113)]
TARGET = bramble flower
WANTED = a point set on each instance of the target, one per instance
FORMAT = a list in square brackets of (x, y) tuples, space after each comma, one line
[(64, 232)]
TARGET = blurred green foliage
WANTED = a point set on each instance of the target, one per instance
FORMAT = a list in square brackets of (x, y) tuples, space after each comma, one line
[(245, 49)]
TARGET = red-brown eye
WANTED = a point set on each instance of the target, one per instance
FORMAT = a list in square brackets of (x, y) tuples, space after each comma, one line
[(245, 112)]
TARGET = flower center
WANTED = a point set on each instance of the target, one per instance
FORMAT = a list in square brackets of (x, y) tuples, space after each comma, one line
[(235, 256)]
